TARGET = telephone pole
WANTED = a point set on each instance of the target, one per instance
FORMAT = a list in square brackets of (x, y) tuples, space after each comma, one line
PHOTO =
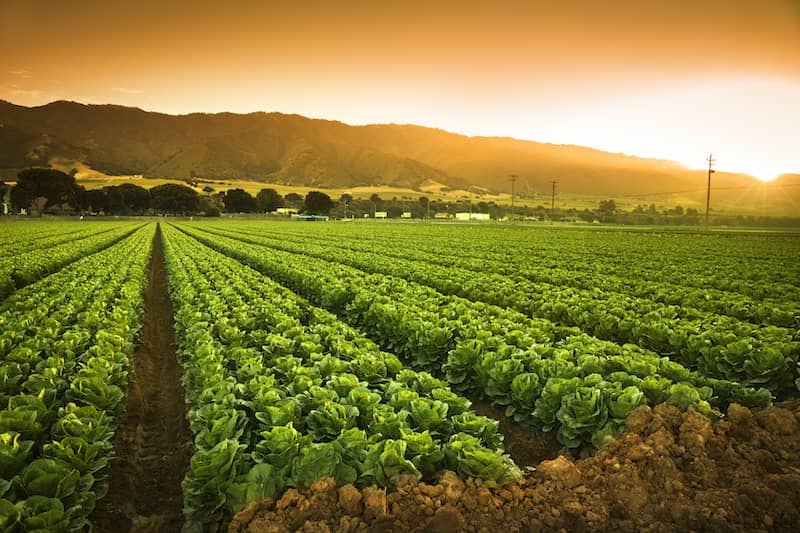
[(711, 161), (553, 200), (513, 180)]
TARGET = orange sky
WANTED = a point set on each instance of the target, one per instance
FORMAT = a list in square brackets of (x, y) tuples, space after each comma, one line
[(664, 78)]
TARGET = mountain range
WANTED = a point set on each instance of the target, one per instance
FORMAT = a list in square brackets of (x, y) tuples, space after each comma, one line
[(295, 150)]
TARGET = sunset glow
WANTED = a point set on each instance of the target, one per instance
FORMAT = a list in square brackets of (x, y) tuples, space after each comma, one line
[(669, 79)]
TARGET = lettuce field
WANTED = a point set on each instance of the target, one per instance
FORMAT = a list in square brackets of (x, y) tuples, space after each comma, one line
[(282, 376)]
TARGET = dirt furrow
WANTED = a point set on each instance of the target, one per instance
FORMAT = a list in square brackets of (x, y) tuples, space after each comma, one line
[(153, 444)]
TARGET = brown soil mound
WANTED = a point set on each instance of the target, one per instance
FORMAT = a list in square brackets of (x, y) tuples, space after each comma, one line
[(153, 443), (672, 471)]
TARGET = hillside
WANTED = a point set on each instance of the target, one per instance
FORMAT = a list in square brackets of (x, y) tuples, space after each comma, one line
[(295, 150)]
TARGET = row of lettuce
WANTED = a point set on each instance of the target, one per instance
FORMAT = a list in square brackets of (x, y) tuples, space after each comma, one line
[(717, 346), (761, 265), (65, 344), (780, 311), (550, 377), (282, 393), (33, 251)]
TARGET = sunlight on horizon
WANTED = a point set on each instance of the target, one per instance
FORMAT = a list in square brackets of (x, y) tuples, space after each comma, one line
[(751, 126)]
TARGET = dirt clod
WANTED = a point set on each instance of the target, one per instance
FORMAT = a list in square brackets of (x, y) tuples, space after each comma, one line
[(374, 503), (447, 519), (560, 470), (350, 500)]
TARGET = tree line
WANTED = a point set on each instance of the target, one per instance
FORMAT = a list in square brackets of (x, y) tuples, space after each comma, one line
[(51, 190)]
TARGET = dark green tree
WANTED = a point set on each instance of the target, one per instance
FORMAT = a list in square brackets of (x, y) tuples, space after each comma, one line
[(268, 200), (293, 199), (239, 201), (174, 198), (135, 198), (394, 211), (93, 200), (318, 203), (58, 187), (115, 201), (608, 207)]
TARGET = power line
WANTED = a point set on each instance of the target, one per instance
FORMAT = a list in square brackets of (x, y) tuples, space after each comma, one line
[(513, 181), (711, 161), (667, 193)]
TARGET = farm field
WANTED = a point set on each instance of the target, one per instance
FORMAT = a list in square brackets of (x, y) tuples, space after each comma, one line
[(280, 376)]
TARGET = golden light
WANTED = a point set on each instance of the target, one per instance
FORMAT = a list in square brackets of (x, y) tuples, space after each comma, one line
[(752, 126)]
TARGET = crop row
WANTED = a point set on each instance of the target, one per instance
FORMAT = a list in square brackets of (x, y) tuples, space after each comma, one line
[(53, 253), (520, 268), (546, 376), (65, 346), (282, 394), (59, 233), (718, 346), (759, 265), (17, 230)]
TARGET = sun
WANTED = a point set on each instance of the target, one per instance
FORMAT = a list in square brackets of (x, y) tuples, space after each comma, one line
[(761, 170)]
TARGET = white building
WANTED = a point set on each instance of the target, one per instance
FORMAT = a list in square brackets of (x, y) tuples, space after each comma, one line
[(472, 216)]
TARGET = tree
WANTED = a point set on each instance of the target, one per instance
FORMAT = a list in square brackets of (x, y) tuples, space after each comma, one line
[(346, 198), (93, 200), (173, 198), (268, 200), (375, 199), (208, 206), (239, 201), (608, 207), (115, 201), (293, 199), (56, 186), (394, 211), (135, 198), (318, 203)]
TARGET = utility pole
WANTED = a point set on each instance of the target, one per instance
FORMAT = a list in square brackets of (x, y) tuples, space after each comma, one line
[(711, 161), (513, 180), (553, 200)]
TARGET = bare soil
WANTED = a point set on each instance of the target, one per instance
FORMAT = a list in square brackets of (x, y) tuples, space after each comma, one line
[(153, 444), (528, 448), (672, 471)]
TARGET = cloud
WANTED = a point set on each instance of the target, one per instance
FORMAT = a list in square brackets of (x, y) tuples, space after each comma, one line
[(125, 90), (21, 72), (28, 93)]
